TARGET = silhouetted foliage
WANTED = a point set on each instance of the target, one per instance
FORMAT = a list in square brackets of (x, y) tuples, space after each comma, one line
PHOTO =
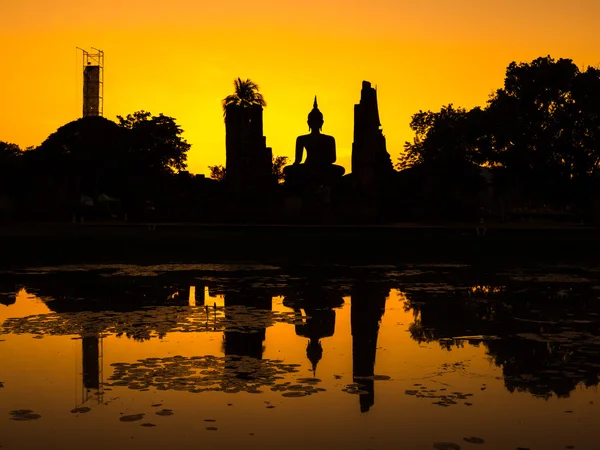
[(8, 151), (245, 94), (540, 133), (9, 158), (278, 164), (217, 172), (155, 141), (445, 137), (84, 157)]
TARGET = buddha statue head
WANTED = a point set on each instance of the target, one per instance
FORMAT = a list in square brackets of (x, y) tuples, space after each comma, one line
[(315, 118)]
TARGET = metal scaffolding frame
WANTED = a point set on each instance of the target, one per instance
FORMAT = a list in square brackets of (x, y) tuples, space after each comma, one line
[(93, 82)]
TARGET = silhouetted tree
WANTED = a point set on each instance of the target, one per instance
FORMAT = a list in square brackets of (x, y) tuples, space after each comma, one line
[(217, 173), (546, 121), (84, 140), (8, 151), (540, 133), (450, 136), (278, 163), (10, 158), (245, 94), (84, 157), (155, 141)]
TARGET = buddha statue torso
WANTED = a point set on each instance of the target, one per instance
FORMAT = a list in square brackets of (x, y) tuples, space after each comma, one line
[(320, 149)]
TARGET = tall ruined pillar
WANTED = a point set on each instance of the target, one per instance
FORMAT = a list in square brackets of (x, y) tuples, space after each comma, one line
[(248, 159), (371, 162)]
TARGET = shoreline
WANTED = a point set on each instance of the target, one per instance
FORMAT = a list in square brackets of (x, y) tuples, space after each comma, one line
[(60, 243)]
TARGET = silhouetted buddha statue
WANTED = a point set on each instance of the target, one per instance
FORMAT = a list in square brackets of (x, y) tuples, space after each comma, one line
[(320, 154)]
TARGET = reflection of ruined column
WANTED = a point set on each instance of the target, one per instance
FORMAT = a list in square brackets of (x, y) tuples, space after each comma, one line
[(245, 344), (368, 305), (90, 348), (199, 295)]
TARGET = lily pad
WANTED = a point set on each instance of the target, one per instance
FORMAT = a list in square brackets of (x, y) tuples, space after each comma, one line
[(165, 412), (20, 412), (81, 409), (295, 394), (474, 440), (23, 415), (132, 418), (446, 446)]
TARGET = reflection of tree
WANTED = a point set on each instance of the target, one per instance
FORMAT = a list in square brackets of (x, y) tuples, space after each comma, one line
[(547, 346), (88, 293), (544, 368), (368, 305), (7, 299), (8, 292)]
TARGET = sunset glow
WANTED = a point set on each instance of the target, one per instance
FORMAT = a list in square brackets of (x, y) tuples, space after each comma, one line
[(180, 58)]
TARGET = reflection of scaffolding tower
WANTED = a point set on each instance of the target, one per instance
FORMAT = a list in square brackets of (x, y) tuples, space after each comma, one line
[(93, 82), (92, 349)]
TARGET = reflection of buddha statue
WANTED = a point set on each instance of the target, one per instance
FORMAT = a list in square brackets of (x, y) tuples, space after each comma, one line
[(320, 154)]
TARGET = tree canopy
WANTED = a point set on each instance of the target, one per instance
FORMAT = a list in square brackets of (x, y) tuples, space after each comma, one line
[(541, 130), (245, 95), (155, 142), (9, 150)]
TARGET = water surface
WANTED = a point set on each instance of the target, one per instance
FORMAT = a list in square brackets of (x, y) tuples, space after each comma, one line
[(255, 356)]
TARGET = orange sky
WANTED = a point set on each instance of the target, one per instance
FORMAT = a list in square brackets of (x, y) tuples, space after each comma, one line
[(179, 57)]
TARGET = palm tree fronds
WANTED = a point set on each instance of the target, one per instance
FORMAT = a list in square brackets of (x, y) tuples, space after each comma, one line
[(245, 95)]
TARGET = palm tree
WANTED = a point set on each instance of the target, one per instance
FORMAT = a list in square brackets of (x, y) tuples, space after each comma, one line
[(246, 94)]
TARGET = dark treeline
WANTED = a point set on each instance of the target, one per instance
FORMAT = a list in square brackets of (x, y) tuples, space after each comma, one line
[(537, 140), (97, 169), (534, 147)]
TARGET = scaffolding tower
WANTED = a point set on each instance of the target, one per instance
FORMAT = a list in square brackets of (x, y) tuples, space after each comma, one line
[(93, 82)]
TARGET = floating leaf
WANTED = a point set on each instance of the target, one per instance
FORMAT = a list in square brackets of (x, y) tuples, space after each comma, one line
[(295, 394), (81, 409), (446, 446), (24, 415), (474, 440), (20, 412), (132, 418)]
